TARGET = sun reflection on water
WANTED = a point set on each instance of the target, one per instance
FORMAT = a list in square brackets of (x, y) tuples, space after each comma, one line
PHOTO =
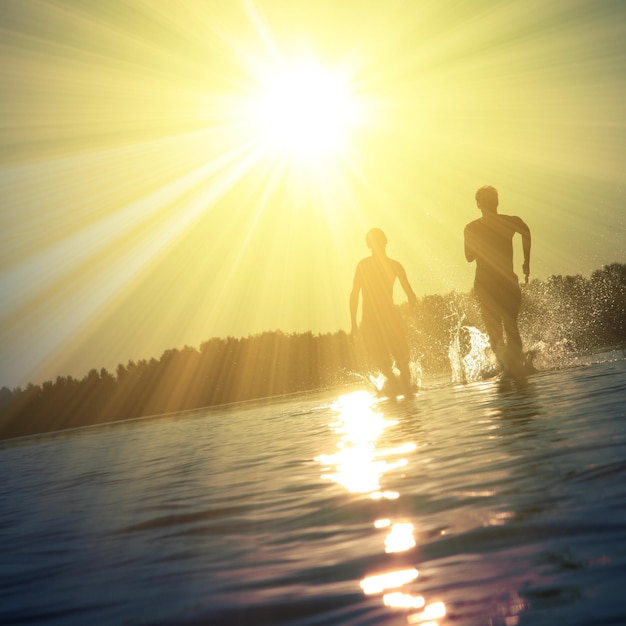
[(399, 600), (360, 464), (389, 580), (430, 616), (400, 538), (357, 464)]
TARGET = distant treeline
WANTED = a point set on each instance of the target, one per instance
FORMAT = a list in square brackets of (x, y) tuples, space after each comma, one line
[(581, 314)]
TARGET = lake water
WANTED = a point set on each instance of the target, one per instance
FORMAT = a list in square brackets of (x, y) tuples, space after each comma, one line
[(470, 504)]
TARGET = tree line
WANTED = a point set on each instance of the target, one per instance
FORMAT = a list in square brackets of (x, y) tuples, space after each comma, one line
[(579, 313)]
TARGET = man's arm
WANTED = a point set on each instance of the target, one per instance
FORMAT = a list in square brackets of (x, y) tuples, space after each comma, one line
[(404, 281), (524, 231), (354, 300), (470, 253)]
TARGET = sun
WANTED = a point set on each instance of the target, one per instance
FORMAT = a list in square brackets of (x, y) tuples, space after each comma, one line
[(305, 111)]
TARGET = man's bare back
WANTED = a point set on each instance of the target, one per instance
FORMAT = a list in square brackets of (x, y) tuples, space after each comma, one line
[(381, 325)]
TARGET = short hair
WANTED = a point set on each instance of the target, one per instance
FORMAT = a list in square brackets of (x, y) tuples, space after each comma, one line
[(375, 238), (487, 197)]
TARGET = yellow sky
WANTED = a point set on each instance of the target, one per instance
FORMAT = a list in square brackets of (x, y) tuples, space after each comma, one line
[(143, 209)]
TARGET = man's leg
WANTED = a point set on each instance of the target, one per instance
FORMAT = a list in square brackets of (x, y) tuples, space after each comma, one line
[(385, 365), (378, 351), (402, 358), (492, 317), (511, 308)]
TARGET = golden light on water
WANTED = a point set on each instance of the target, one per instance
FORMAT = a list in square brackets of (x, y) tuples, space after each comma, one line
[(430, 615), (384, 495), (360, 465), (399, 600), (388, 580), (400, 538)]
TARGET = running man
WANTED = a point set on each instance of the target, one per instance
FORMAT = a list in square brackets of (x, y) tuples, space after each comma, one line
[(489, 242), (382, 327)]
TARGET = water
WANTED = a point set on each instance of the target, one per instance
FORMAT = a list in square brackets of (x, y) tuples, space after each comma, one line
[(476, 504)]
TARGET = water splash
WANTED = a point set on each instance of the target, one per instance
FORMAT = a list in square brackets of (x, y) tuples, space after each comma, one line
[(377, 379), (471, 357)]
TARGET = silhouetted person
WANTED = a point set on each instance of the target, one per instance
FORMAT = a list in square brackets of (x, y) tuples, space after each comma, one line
[(489, 242), (381, 324)]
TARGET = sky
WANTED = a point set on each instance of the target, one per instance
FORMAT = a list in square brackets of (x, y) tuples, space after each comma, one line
[(178, 170)]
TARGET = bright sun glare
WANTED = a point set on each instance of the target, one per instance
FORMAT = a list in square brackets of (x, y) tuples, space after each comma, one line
[(305, 111)]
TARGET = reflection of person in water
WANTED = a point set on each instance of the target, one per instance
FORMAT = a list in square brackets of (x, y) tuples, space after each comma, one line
[(489, 242), (382, 328)]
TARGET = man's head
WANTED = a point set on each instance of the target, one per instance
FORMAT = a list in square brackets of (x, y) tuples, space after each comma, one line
[(376, 239), (487, 199)]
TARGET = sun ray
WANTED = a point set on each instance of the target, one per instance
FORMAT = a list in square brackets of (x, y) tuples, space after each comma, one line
[(163, 164)]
